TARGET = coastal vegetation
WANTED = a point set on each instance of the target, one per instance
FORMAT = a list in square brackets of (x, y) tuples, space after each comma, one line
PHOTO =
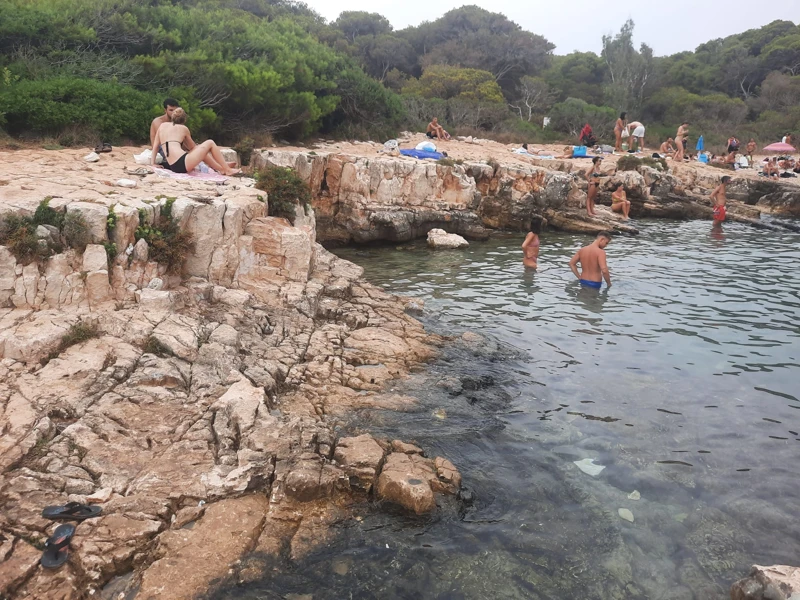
[(75, 70)]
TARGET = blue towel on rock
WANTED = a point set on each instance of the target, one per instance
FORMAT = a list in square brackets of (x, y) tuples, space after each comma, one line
[(421, 154)]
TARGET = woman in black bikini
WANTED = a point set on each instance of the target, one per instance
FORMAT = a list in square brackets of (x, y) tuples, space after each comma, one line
[(170, 136)]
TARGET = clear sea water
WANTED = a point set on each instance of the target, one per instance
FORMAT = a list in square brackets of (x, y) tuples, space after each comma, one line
[(682, 380)]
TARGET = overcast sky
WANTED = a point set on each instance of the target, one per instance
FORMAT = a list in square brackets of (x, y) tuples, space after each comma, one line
[(668, 27)]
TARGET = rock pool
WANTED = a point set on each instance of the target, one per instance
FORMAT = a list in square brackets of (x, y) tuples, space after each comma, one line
[(681, 381)]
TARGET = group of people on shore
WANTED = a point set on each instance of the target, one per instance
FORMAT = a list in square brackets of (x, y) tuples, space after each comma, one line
[(174, 148)]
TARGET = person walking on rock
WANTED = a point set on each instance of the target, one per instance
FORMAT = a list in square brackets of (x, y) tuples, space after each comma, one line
[(592, 259)]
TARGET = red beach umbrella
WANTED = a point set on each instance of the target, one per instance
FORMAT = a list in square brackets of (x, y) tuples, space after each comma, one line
[(780, 147)]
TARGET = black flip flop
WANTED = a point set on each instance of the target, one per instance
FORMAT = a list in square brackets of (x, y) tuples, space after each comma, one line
[(103, 147), (56, 548), (71, 511)]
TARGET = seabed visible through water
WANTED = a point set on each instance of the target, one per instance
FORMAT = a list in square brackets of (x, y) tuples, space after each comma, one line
[(681, 381)]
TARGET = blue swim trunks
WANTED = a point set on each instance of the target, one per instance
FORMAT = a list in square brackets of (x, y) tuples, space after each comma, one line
[(591, 284)]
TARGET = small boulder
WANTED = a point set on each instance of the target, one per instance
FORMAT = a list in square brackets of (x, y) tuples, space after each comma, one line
[(361, 458), (404, 482), (439, 238)]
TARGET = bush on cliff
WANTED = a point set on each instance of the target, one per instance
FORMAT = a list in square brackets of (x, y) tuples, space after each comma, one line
[(285, 191), (114, 111), (168, 244), (18, 233), (629, 162)]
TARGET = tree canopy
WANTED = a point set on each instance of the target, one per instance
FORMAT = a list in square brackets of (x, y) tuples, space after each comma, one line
[(275, 66)]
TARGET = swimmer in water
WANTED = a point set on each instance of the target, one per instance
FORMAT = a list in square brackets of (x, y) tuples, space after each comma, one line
[(530, 247), (719, 199), (592, 259)]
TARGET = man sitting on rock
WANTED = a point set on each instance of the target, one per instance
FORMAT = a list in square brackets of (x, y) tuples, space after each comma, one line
[(436, 131), (170, 104), (667, 149)]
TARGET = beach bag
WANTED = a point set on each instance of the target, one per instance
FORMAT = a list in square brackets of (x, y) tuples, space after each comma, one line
[(390, 145), (703, 158), (625, 133), (426, 147), (579, 152)]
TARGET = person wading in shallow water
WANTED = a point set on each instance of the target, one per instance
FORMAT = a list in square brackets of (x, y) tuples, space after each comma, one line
[(719, 199), (592, 259), (530, 247)]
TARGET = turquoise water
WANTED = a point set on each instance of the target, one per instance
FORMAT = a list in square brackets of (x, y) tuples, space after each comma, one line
[(681, 380)]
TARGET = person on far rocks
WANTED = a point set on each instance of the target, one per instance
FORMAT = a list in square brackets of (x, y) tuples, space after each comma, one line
[(171, 136), (750, 149), (719, 199), (637, 136), (436, 131), (620, 126), (620, 202), (593, 175), (530, 247), (771, 168), (592, 259), (667, 148), (681, 139)]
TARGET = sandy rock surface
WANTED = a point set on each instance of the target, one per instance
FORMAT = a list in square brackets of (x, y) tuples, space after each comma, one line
[(777, 582), (200, 411)]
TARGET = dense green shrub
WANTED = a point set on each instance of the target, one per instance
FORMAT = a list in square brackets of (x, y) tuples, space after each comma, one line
[(629, 162), (167, 243), (285, 191), (114, 110), (245, 149), (18, 234), (76, 231), (46, 215), (571, 115)]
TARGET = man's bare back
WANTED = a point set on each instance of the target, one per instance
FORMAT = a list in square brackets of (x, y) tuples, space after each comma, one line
[(592, 259)]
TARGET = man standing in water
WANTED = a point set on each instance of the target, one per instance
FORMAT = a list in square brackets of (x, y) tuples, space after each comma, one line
[(592, 259), (718, 198)]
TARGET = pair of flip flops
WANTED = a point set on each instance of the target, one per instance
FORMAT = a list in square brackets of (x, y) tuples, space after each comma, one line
[(103, 147), (56, 548)]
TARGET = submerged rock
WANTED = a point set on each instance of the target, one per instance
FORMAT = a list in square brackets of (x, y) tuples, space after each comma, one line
[(626, 514), (587, 466)]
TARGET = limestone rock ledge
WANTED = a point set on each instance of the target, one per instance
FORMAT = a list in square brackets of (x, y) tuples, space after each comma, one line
[(363, 199), (201, 413)]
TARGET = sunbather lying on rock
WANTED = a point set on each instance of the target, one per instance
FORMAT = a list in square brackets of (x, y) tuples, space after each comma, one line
[(171, 136)]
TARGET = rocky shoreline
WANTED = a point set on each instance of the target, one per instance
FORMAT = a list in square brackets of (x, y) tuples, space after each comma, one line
[(203, 411), (361, 199)]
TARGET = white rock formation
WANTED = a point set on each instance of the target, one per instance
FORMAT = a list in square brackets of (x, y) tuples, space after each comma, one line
[(439, 238)]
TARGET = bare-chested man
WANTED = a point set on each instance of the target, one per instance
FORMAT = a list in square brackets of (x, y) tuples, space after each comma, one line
[(719, 199), (170, 104), (680, 141), (667, 149), (592, 259), (436, 131)]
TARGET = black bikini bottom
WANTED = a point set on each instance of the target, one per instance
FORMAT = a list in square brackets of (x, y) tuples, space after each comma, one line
[(179, 166)]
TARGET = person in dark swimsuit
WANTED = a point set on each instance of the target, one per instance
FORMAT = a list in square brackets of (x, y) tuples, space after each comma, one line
[(170, 136), (593, 175)]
